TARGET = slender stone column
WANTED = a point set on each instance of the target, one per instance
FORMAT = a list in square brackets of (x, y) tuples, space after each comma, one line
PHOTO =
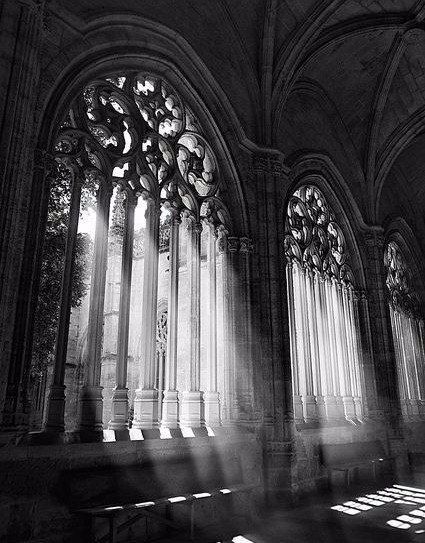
[(404, 377), (192, 405), (119, 415), (298, 403), (325, 348), (91, 393), (170, 408), (146, 398), (211, 396), (310, 405), (354, 350), (314, 344), (56, 403), (330, 286), (343, 327)]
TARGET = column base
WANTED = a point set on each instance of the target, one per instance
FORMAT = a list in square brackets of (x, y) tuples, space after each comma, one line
[(192, 409), (321, 408), (170, 409), (349, 408), (119, 416), (298, 409), (55, 422), (145, 409), (91, 403), (332, 409), (212, 408), (310, 408), (359, 408)]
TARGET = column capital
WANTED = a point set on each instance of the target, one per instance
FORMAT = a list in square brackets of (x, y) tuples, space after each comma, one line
[(245, 245), (193, 225), (232, 244), (374, 236), (269, 163)]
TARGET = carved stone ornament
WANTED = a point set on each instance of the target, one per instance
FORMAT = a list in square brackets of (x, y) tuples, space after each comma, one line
[(399, 281), (314, 238), (135, 130)]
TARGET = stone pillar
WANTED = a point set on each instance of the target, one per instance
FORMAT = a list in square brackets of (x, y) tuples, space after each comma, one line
[(211, 396), (309, 400), (353, 350), (401, 373), (347, 377), (314, 344), (332, 326), (24, 190), (298, 403), (381, 336), (326, 362), (56, 403), (91, 394), (170, 407), (192, 405), (146, 399), (119, 415)]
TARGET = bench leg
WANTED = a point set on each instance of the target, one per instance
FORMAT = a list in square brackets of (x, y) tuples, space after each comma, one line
[(112, 530)]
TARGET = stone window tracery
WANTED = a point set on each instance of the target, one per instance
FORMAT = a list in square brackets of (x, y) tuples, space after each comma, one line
[(323, 312), (131, 139), (408, 332)]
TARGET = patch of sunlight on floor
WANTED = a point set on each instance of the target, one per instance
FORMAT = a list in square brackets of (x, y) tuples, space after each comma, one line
[(398, 524)]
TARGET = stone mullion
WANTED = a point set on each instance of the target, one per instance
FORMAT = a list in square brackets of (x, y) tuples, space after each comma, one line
[(332, 321), (330, 397), (415, 363), (310, 405), (192, 406), (355, 350), (348, 400), (211, 396), (225, 321), (314, 344), (119, 416), (146, 411), (421, 349), (402, 363), (297, 399), (91, 394), (56, 403), (170, 406)]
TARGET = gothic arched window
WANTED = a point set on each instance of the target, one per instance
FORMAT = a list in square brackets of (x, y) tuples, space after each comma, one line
[(132, 143), (408, 332), (323, 312)]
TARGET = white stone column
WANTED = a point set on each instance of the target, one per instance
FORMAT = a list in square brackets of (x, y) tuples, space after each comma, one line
[(344, 327), (325, 348), (91, 393), (146, 398), (309, 400), (411, 337), (314, 344), (330, 288), (119, 415), (192, 404), (355, 350), (56, 403), (403, 376), (298, 403), (170, 404), (211, 396)]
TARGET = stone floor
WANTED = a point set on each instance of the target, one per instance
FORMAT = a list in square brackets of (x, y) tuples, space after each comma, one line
[(362, 516)]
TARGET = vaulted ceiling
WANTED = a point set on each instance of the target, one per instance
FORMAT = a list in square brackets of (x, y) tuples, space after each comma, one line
[(341, 77)]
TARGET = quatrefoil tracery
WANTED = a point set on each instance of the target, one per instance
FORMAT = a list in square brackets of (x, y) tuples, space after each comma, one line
[(313, 237), (134, 130)]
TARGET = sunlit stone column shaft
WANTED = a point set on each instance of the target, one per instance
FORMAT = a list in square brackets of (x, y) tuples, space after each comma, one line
[(211, 396), (192, 405), (56, 404), (119, 416), (298, 404), (344, 326), (146, 398), (170, 406), (91, 393)]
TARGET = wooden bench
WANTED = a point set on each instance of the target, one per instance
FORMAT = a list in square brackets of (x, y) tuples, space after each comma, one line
[(348, 458), (149, 510), (166, 492)]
